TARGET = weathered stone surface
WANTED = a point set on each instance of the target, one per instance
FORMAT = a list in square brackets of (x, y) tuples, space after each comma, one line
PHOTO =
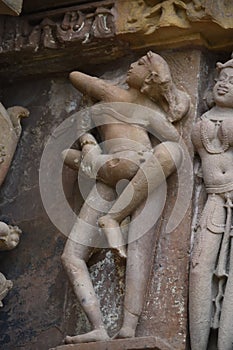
[(174, 23), (31, 307), (153, 343)]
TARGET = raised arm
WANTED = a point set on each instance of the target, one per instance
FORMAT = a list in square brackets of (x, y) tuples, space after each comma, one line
[(98, 88)]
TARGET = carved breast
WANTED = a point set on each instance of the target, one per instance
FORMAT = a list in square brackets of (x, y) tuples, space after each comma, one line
[(215, 136), (227, 127)]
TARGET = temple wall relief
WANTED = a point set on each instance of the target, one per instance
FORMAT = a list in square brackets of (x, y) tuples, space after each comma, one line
[(100, 41)]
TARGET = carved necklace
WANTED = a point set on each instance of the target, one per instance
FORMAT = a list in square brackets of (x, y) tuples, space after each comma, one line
[(222, 137)]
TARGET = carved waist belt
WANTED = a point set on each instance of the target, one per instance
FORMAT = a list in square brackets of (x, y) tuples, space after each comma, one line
[(220, 188)]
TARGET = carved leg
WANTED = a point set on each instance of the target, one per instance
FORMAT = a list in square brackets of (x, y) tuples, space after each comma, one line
[(225, 334), (201, 290), (90, 150), (139, 262), (114, 235), (74, 260), (153, 172), (79, 276)]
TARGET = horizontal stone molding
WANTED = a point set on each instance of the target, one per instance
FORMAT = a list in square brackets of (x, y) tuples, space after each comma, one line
[(66, 38), (152, 343)]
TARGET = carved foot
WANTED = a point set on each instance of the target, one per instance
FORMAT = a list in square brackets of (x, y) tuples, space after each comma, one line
[(90, 148), (126, 332), (93, 336), (113, 234), (87, 139)]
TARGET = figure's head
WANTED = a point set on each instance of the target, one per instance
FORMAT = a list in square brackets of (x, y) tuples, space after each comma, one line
[(223, 89), (147, 73)]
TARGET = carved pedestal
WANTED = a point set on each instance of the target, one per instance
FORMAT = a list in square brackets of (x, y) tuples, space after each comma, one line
[(152, 343)]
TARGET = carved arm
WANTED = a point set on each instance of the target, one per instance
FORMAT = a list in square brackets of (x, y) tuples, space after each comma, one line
[(97, 88)]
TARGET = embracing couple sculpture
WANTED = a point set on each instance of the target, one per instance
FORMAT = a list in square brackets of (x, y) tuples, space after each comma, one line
[(128, 154), (135, 159)]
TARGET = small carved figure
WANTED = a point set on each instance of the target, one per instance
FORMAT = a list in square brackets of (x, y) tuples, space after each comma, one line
[(134, 158), (211, 276), (76, 26)]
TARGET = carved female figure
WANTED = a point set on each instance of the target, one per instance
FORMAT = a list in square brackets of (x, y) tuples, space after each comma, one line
[(150, 85), (211, 278)]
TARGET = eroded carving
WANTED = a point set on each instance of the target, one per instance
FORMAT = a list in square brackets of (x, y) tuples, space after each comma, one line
[(211, 276), (10, 133), (148, 16), (169, 13), (82, 26), (128, 154)]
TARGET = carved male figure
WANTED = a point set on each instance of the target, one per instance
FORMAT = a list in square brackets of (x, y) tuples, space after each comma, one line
[(134, 159), (211, 278)]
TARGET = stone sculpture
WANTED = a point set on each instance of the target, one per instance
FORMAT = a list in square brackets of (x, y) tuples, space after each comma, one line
[(10, 133), (211, 277), (150, 85)]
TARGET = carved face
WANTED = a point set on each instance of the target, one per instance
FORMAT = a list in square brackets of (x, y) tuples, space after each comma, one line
[(223, 89), (137, 73)]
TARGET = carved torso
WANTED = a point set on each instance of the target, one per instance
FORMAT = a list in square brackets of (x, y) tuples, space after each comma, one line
[(113, 130), (213, 139)]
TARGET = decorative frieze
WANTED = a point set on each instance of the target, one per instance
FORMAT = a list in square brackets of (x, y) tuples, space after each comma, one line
[(105, 30), (175, 22), (75, 25)]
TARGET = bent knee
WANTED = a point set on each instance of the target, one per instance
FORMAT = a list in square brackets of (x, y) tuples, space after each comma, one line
[(67, 259), (73, 263)]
